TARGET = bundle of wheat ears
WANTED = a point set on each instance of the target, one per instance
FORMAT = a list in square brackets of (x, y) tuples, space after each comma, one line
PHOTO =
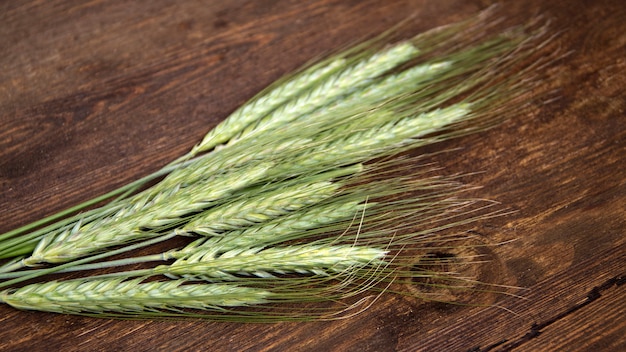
[(303, 204)]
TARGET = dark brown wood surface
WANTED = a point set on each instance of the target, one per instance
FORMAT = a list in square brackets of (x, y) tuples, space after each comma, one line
[(94, 94)]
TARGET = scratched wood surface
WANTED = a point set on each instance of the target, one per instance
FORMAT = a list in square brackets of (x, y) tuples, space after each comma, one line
[(95, 94)]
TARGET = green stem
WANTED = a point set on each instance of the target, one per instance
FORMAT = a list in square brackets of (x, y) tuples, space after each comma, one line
[(10, 274), (18, 249)]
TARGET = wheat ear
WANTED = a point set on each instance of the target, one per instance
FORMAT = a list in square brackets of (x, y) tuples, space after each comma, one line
[(129, 296), (376, 141), (262, 262), (264, 104), (128, 224), (316, 220), (259, 208)]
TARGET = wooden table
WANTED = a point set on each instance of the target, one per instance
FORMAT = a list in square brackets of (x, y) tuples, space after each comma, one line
[(95, 94)]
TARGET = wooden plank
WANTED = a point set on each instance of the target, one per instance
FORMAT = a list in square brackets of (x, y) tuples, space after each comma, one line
[(556, 314), (96, 94)]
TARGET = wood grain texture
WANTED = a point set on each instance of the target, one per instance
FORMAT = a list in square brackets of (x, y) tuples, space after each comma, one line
[(94, 94)]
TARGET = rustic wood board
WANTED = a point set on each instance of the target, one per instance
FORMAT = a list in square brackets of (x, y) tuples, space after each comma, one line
[(96, 94)]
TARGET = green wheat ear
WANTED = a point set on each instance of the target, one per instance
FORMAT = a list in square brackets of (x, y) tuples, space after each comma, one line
[(131, 297), (299, 196)]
